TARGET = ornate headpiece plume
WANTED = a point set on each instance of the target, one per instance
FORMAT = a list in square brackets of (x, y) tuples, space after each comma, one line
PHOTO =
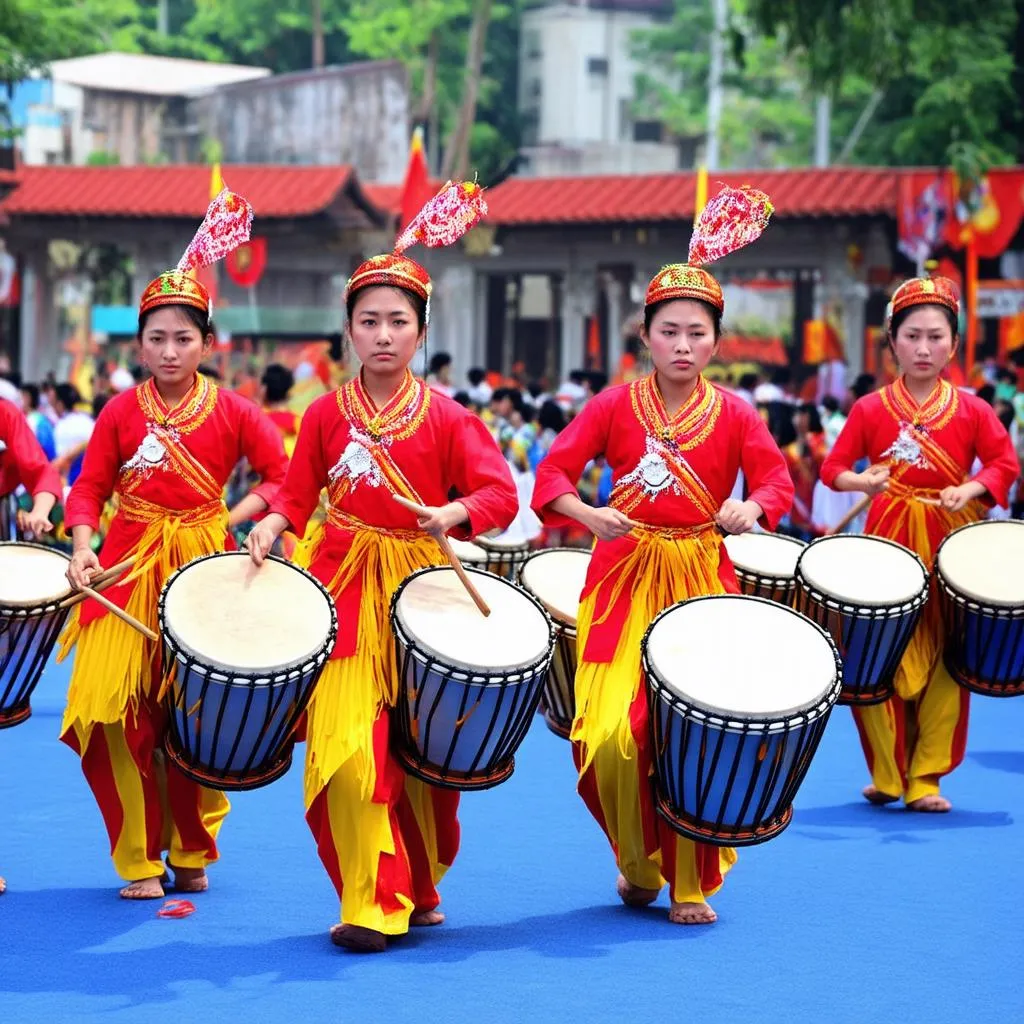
[(225, 227), (734, 218)]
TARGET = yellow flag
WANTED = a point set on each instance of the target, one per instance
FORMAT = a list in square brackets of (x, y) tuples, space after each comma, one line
[(216, 181), (702, 192)]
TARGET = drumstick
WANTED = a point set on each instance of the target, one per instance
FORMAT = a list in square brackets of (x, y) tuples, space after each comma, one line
[(105, 578), (450, 555), (862, 505), (120, 613)]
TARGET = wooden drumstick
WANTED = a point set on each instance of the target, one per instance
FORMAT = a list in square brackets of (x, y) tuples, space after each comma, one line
[(105, 578), (120, 613), (450, 555), (862, 505)]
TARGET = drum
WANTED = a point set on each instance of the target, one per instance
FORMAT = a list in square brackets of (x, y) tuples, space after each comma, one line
[(732, 739), (869, 594), (469, 553), (468, 685), (33, 586), (8, 518), (979, 570), (506, 554), (556, 578), (243, 649), (765, 564)]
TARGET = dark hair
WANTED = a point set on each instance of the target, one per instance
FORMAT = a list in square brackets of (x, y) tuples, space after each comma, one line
[(278, 380), (781, 376), (987, 393), (438, 361), (712, 311), (68, 395), (748, 381), (780, 423), (12, 376), (1006, 375), (32, 390), (199, 318), (514, 395), (419, 305), (1005, 413), (551, 417), (813, 417), (863, 385), (898, 318), (209, 371), (476, 375), (462, 398), (598, 380), (578, 377), (97, 405), (830, 403)]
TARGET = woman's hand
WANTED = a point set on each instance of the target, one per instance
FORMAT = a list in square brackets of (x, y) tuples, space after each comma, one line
[(607, 523), (738, 516), (441, 519), (874, 480), (84, 565), (259, 542), (953, 499), (33, 522)]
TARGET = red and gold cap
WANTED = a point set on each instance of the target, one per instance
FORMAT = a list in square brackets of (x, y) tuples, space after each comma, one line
[(225, 227), (443, 220), (925, 291), (734, 218)]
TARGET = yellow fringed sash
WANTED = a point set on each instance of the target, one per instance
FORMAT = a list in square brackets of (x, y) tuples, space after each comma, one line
[(352, 690), (112, 665), (905, 511), (660, 571)]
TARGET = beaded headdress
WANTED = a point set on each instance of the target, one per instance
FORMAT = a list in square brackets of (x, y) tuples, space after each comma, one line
[(734, 218), (225, 227), (925, 291), (443, 220)]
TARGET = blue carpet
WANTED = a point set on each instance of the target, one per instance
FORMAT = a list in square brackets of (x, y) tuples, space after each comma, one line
[(855, 914)]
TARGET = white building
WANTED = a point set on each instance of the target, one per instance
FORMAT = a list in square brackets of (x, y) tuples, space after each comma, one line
[(577, 88)]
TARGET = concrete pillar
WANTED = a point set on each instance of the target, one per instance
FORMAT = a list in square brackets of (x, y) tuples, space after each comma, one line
[(452, 314), (615, 293), (579, 297), (40, 345)]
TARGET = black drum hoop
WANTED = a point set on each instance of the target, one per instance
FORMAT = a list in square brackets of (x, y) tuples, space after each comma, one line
[(817, 716), (20, 617), (512, 733), (785, 585), (177, 659)]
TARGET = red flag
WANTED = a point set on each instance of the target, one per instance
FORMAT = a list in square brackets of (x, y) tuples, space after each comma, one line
[(416, 188), (246, 264), (594, 345)]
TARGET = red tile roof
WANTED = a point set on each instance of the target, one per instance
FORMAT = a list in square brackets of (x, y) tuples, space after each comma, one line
[(178, 191), (810, 192)]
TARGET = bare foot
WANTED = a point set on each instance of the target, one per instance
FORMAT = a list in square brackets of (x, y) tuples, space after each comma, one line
[(426, 918), (189, 879), (358, 939), (144, 889), (930, 804), (876, 796), (692, 913), (632, 895)]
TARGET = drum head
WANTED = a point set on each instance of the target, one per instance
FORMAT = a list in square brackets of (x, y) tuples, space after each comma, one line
[(782, 665), (437, 614), (865, 571), (31, 575), (767, 554), (504, 542), (985, 562), (467, 553), (229, 615), (556, 579)]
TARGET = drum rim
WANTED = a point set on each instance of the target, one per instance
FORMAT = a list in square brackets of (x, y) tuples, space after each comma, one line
[(1009, 609), (497, 673), (470, 543), (258, 676), (761, 573), (36, 605), (724, 716), (497, 549), (557, 616), (803, 581)]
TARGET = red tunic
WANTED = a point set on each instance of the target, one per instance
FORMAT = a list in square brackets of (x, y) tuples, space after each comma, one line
[(422, 446), (159, 461), (675, 483), (927, 448), (23, 461)]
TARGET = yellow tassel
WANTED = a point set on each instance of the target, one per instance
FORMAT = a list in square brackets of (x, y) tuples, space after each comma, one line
[(112, 668), (352, 691), (659, 572)]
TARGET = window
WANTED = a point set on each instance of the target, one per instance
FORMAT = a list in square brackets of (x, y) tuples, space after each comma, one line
[(647, 131), (534, 89), (531, 45), (597, 65)]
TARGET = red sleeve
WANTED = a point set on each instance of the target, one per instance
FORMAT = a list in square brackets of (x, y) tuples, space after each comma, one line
[(559, 472), (26, 453), (482, 477), (993, 447), (307, 472), (263, 447), (764, 467), (95, 484), (851, 446)]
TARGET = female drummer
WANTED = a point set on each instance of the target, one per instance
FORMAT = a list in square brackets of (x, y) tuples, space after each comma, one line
[(922, 436), (23, 462), (675, 444), (165, 449), (385, 838)]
